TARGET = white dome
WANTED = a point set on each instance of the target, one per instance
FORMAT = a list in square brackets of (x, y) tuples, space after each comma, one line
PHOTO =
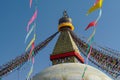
[(70, 71)]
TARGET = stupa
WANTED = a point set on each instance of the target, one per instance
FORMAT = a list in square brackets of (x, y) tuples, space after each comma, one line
[(67, 62)]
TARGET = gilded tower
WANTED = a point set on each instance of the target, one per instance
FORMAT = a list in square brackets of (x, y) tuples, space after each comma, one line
[(65, 50)]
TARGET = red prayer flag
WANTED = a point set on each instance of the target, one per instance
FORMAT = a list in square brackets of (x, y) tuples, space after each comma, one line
[(30, 54), (91, 24)]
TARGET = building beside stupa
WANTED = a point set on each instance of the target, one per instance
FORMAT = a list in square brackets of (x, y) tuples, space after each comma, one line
[(67, 62)]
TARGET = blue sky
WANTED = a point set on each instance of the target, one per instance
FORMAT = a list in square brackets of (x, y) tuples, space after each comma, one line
[(15, 14)]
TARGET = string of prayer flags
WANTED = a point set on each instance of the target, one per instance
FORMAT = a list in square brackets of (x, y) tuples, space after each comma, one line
[(88, 52), (97, 5), (31, 43)]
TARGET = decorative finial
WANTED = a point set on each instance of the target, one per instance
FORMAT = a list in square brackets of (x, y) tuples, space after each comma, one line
[(65, 14)]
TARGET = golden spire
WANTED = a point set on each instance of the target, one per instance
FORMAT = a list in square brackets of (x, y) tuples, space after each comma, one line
[(65, 50)]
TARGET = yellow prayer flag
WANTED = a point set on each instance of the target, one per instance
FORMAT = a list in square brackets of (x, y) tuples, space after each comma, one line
[(95, 7), (30, 42)]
